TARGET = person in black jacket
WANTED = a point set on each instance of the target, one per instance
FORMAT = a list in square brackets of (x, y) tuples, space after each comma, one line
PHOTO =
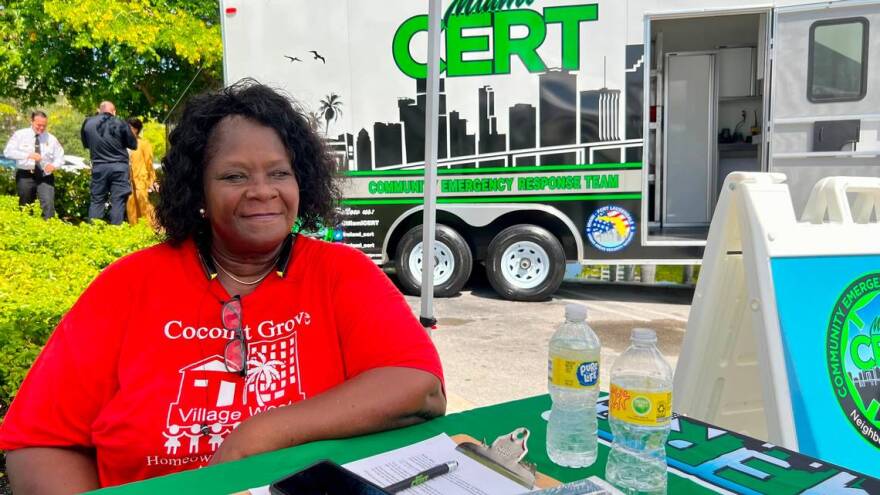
[(108, 140)]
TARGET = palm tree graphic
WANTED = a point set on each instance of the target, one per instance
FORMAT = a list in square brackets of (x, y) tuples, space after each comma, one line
[(331, 109), (261, 374), (314, 118)]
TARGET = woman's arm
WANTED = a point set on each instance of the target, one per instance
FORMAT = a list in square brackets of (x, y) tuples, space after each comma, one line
[(376, 400), (51, 470)]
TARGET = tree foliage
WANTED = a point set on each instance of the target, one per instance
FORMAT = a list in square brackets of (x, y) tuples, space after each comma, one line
[(154, 132), (141, 54)]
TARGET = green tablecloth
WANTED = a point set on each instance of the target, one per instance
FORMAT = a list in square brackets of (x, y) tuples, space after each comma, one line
[(700, 457)]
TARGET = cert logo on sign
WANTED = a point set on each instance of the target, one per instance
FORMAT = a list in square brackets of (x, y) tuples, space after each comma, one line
[(853, 355)]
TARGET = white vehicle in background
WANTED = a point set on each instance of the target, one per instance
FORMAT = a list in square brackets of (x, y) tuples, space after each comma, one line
[(569, 130), (73, 163)]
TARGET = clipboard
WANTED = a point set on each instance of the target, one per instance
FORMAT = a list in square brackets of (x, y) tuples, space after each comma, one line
[(505, 457)]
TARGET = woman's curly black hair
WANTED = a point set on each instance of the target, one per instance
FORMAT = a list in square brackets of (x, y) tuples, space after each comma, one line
[(181, 192)]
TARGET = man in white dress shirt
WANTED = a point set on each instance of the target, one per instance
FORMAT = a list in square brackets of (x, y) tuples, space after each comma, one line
[(37, 154)]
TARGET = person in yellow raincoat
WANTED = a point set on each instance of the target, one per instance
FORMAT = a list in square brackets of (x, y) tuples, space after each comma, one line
[(143, 177)]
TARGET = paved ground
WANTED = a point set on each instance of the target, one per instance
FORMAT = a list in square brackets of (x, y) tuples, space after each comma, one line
[(495, 351)]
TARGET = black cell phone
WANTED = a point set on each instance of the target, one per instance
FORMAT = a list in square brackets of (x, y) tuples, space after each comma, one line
[(325, 478)]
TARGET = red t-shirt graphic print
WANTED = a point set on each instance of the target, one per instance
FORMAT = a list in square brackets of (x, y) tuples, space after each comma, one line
[(211, 401)]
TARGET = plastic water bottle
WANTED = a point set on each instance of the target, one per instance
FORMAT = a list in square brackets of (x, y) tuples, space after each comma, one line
[(573, 381), (640, 410)]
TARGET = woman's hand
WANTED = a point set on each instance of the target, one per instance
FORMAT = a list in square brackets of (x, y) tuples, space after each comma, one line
[(252, 437)]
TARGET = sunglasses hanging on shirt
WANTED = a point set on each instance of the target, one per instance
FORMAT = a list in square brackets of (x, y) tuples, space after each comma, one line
[(235, 353)]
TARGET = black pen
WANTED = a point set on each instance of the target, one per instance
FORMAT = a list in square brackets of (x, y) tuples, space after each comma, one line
[(418, 479)]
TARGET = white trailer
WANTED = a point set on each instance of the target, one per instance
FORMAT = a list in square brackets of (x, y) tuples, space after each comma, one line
[(569, 131)]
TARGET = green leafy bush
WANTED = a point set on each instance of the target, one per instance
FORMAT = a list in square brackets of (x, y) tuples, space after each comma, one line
[(7, 182), (44, 267), (72, 193)]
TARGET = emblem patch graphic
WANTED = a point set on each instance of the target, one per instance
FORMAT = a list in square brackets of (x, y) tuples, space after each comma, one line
[(853, 355), (610, 228)]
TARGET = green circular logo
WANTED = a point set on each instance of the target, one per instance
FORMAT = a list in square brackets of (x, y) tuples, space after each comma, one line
[(853, 355), (641, 405)]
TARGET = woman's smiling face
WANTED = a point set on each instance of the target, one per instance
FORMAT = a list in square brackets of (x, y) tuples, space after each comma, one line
[(251, 192)]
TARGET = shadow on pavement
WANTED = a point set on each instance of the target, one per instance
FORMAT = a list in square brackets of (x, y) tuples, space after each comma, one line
[(669, 294)]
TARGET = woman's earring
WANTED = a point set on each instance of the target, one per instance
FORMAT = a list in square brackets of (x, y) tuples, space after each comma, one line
[(202, 212)]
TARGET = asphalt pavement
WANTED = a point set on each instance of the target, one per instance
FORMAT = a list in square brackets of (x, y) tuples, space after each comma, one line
[(495, 350)]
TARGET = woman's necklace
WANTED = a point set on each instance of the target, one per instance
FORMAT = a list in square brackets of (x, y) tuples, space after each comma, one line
[(255, 282)]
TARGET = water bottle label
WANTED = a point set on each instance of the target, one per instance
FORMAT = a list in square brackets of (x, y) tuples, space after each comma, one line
[(573, 374), (640, 407)]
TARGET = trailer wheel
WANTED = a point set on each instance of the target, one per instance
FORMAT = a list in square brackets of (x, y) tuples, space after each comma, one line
[(525, 263), (452, 261)]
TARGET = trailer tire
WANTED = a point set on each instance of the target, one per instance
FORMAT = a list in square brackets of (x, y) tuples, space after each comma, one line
[(453, 261), (525, 263)]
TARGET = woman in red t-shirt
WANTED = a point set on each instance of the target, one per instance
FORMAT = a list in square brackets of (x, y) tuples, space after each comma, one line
[(233, 337)]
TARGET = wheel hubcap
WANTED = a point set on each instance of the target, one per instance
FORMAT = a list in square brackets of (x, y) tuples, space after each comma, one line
[(525, 264), (444, 262)]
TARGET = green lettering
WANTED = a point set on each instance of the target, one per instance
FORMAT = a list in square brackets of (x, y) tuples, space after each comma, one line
[(875, 346), (571, 18), (863, 341), (540, 183), (613, 181), (457, 45), (525, 48), (401, 52), (488, 6), (457, 7), (468, 7)]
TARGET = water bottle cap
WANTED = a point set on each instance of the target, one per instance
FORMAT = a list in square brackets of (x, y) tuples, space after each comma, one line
[(575, 312), (644, 336)]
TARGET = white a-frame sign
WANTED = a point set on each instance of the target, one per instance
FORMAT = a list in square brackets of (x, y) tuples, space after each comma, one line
[(783, 340)]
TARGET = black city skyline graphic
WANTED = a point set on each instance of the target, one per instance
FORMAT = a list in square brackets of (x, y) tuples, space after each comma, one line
[(867, 383), (553, 122)]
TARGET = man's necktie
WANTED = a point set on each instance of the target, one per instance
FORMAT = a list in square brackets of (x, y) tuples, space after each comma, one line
[(37, 168)]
